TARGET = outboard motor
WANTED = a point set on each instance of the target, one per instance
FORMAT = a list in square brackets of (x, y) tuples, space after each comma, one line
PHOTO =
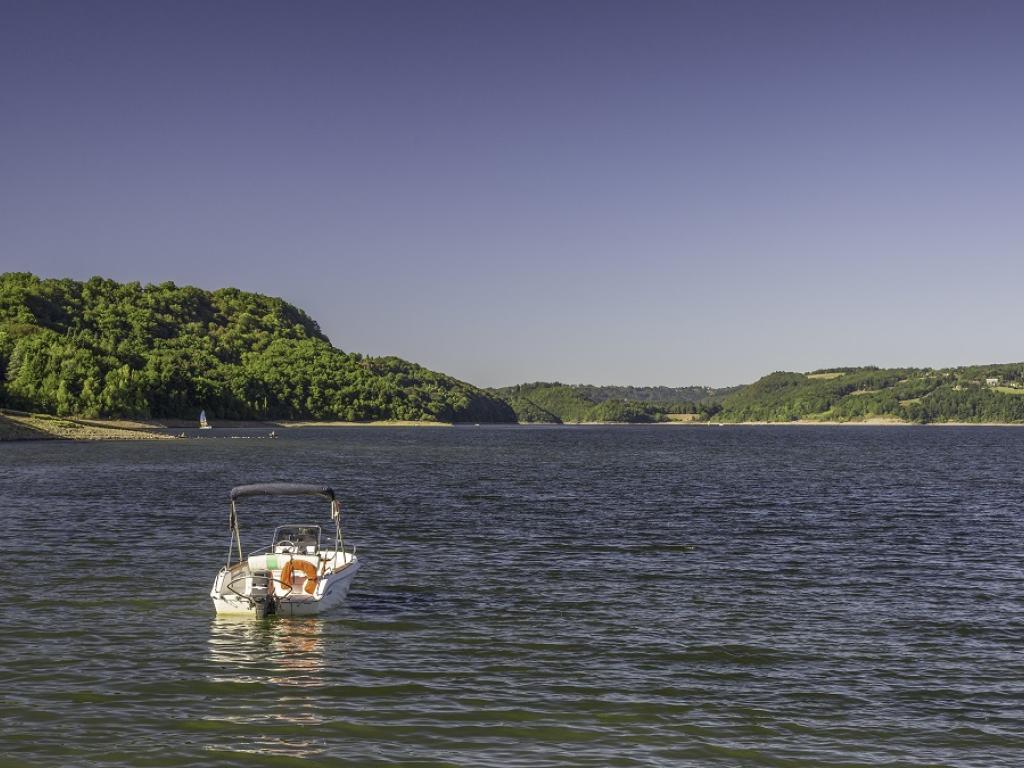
[(266, 606), (262, 595)]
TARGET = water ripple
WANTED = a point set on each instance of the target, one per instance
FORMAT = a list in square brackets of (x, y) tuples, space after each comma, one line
[(655, 596)]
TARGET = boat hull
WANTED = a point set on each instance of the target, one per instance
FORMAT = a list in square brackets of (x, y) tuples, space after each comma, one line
[(334, 589)]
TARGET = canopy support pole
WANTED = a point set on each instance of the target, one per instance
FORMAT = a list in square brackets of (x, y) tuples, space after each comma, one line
[(235, 534), (336, 514)]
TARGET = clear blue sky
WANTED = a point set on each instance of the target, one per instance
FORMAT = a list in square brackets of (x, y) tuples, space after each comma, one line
[(635, 192)]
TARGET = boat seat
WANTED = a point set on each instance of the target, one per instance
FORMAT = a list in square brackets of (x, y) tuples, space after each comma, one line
[(277, 562)]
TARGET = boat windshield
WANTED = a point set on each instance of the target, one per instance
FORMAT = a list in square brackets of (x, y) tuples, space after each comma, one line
[(297, 539)]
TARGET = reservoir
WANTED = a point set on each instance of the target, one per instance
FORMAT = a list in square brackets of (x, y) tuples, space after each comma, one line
[(530, 596)]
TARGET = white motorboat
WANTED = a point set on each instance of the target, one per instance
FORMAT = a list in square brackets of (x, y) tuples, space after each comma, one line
[(300, 573)]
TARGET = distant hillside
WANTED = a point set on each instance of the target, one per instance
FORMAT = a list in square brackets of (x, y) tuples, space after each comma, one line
[(658, 395), (554, 402), (974, 394), (101, 348)]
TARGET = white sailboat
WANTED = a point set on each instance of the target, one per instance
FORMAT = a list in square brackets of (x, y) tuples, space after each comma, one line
[(203, 424)]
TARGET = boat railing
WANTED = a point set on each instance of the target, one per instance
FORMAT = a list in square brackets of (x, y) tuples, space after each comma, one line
[(326, 543), (270, 582), (345, 549)]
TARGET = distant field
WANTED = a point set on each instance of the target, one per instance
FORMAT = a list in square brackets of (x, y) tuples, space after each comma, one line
[(681, 416), (832, 375), (1009, 390)]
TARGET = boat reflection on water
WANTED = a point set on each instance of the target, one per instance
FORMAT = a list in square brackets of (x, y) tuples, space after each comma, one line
[(276, 661), (274, 652)]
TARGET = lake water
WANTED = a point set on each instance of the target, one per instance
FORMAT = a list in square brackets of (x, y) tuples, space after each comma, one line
[(549, 596)]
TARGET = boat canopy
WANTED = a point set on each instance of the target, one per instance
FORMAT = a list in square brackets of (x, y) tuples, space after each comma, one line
[(281, 489)]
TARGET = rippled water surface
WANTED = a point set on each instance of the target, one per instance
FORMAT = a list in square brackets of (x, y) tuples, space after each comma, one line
[(606, 596)]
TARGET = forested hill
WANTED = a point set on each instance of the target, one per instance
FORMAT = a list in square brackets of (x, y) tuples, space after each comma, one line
[(974, 394), (102, 348), (555, 402)]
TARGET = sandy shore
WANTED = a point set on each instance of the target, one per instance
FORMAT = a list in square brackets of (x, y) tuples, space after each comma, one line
[(867, 423), (270, 424), (291, 424), (802, 423), (180, 424), (42, 427)]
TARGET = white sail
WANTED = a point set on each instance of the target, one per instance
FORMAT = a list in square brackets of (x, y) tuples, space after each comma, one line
[(202, 420)]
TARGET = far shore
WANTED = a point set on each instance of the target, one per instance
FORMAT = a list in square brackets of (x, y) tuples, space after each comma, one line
[(16, 425)]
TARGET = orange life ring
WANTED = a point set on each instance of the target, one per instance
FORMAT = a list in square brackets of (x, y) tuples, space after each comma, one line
[(287, 574)]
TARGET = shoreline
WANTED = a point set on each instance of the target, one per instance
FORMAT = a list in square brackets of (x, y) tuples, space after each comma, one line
[(273, 423), (332, 424), (21, 426)]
